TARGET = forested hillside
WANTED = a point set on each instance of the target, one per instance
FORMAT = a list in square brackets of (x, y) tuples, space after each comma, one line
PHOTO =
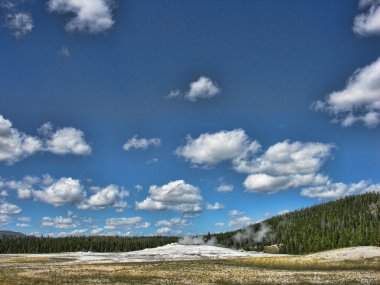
[(31, 244), (351, 221)]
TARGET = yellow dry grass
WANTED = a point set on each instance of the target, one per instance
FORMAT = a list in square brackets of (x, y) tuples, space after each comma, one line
[(261, 270), (23, 259)]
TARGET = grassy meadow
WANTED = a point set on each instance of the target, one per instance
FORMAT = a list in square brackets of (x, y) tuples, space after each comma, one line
[(258, 270)]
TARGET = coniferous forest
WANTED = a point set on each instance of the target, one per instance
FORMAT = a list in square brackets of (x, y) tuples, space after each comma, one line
[(351, 221), (31, 244)]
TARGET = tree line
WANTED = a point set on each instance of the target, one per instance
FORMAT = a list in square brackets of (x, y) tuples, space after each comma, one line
[(32, 244)]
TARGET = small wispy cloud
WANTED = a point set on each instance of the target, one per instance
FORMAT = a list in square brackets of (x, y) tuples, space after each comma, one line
[(224, 188), (141, 143), (64, 52), (20, 23), (216, 206), (240, 222), (234, 213), (152, 160), (23, 225), (126, 223)]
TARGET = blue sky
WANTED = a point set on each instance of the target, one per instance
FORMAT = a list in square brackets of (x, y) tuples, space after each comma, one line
[(175, 117)]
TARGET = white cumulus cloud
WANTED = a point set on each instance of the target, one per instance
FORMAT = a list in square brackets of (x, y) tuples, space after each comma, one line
[(61, 192), (110, 196), (93, 16), (23, 187), (60, 222), (67, 191), (175, 196), (359, 102), (8, 208), (338, 190), (15, 145), (283, 165), (141, 143), (367, 24), (287, 158), (68, 141), (366, 3), (270, 184), (210, 149), (203, 88), (4, 220), (215, 206)]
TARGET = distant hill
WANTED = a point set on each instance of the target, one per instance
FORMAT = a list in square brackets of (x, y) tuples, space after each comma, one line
[(351, 221), (10, 234)]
